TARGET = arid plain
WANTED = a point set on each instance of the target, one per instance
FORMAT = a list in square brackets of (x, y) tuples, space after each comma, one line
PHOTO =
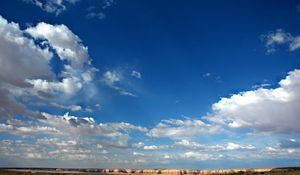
[(266, 171)]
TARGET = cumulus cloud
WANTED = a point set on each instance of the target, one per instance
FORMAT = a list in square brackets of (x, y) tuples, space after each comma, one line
[(87, 126), (67, 45), (25, 65), (274, 110), (59, 150), (69, 137), (177, 129), (52, 6), (25, 71), (18, 54), (69, 85), (73, 81), (111, 79), (280, 37)]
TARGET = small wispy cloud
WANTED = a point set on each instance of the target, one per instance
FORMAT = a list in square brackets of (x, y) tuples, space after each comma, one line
[(111, 79), (98, 12), (206, 74), (98, 15), (136, 74), (210, 75), (257, 86), (107, 3), (58, 6), (70, 107), (51, 6), (298, 8), (280, 37)]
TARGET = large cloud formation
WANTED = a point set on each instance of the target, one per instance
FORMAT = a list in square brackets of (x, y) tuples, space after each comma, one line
[(25, 57), (274, 110), (20, 58), (25, 71)]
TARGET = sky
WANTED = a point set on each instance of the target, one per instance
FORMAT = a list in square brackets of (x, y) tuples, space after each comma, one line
[(149, 83)]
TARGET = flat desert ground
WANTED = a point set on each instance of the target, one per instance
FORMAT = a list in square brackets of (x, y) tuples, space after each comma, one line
[(176, 172)]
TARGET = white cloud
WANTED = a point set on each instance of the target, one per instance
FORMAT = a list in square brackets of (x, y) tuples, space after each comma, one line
[(212, 148), (33, 155), (295, 44), (74, 107), (263, 85), (177, 129), (189, 144), (63, 150), (136, 74), (27, 130), (25, 65), (274, 110), (57, 142), (52, 6), (20, 58), (199, 156), (68, 85), (25, 71), (69, 137), (70, 107), (111, 79), (138, 154), (276, 152), (138, 145), (155, 147), (67, 45), (280, 37), (234, 146), (126, 127), (87, 126)]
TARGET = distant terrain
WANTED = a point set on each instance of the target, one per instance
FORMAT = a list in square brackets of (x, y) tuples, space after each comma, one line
[(59, 171)]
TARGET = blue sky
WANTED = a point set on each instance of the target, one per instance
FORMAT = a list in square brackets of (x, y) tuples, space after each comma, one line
[(149, 84)]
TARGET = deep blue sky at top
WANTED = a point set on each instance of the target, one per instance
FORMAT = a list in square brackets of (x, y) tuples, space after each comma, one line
[(173, 44)]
